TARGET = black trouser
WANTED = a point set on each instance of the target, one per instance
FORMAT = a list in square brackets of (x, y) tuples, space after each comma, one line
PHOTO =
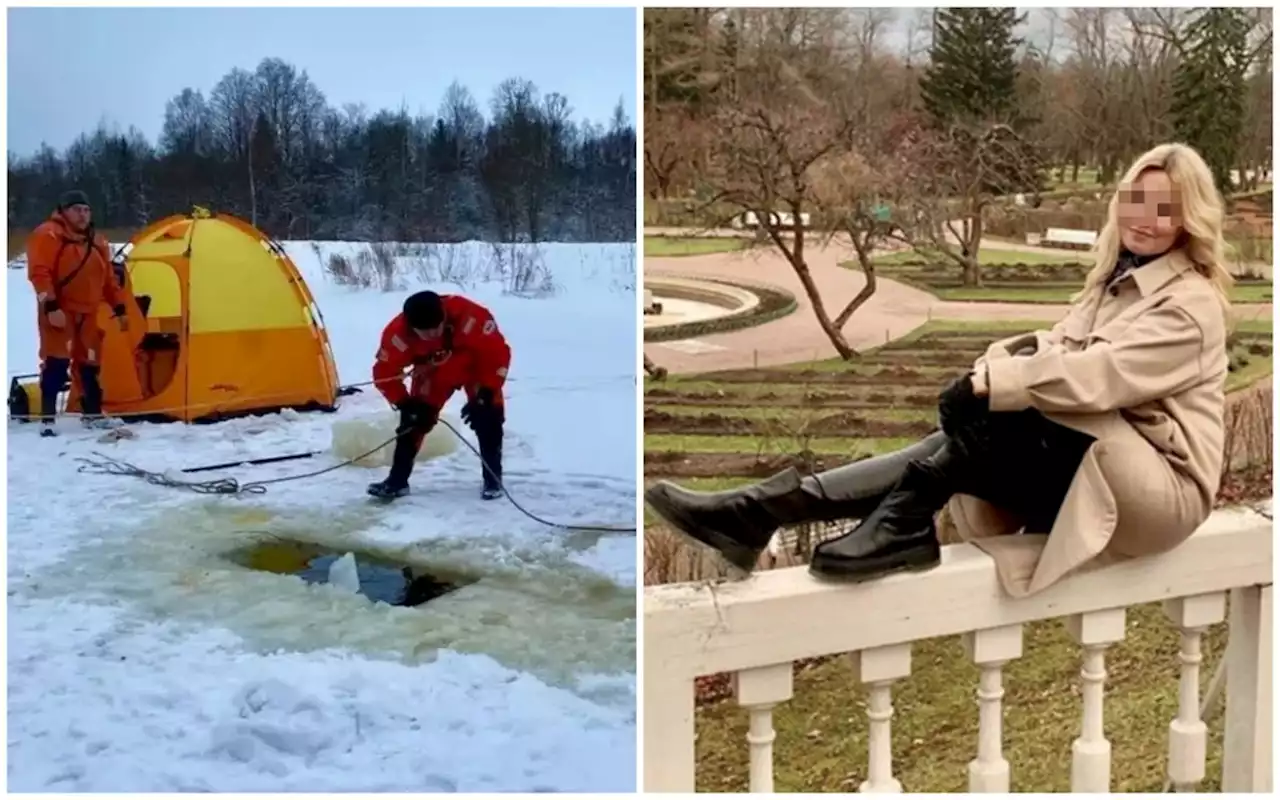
[(1020, 461), (53, 376)]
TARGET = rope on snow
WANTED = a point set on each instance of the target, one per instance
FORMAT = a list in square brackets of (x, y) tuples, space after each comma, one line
[(106, 465)]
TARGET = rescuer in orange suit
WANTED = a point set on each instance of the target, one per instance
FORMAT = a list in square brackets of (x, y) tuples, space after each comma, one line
[(449, 343), (69, 266)]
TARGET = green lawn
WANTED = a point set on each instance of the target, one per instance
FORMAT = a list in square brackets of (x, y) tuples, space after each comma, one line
[(1059, 293), (668, 246), (907, 267), (990, 256)]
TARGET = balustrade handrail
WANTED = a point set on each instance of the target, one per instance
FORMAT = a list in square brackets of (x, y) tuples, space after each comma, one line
[(785, 615)]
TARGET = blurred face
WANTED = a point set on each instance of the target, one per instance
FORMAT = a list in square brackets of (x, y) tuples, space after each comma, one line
[(430, 333), (77, 216), (1150, 214)]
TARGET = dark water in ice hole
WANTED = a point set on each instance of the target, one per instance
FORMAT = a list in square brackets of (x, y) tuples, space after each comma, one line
[(381, 579)]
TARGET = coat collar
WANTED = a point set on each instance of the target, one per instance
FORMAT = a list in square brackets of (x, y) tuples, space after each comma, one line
[(1155, 275)]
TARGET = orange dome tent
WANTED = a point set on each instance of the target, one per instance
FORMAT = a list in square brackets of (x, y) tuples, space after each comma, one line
[(221, 324)]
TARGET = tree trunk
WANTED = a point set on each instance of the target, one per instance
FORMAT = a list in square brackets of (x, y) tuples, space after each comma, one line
[(972, 248), (833, 333), (253, 193), (795, 256)]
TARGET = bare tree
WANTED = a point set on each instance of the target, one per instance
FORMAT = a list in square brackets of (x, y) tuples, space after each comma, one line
[(785, 150), (673, 143), (957, 175)]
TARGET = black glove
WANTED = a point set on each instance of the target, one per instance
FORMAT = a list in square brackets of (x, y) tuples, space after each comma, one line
[(963, 415), (478, 407), (50, 306), (417, 414)]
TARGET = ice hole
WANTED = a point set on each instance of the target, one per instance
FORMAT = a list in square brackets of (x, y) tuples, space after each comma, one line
[(380, 579)]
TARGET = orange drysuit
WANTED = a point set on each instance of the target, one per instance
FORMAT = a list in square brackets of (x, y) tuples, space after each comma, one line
[(470, 354), (67, 266)]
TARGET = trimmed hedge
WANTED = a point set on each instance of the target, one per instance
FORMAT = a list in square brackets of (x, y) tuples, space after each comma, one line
[(774, 304)]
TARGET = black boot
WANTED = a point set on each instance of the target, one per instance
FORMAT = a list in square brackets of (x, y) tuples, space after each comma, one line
[(402, 459), (1021, 461), (488, 431), (739, 523), (53, 377), (91, 395), (900, 533)]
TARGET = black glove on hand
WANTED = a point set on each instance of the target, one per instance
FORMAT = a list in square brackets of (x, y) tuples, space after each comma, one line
[(417, 414), (479, 406), (963, 415)]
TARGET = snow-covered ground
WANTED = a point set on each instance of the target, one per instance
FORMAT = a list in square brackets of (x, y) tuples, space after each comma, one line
[(141, 659)]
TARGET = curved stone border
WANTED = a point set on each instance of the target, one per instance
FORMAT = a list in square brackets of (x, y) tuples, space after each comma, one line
[(933, 290), (734, 298), (773, 303)]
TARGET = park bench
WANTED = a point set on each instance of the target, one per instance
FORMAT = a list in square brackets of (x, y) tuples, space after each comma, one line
[(749, 219), (1068, 238)]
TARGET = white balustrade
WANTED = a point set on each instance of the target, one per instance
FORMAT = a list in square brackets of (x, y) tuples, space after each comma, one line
[(1091, 752), (1246, 741), (1188, 735), (991, 649), (879, 667), (759, 690), (757, 628)]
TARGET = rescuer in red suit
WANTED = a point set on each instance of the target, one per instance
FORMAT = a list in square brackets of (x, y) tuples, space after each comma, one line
[(446, 343)]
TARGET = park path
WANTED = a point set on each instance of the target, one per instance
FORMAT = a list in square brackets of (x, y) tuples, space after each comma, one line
[(893, 311)]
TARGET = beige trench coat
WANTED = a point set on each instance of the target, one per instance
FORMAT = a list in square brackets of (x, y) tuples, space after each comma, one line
[(1140, 367)]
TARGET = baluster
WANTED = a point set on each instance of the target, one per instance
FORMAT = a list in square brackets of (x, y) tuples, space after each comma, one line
[(669, 733), (991, 649), (1094, 631), (879, 667), (759, 690), (1246, 739), (1187, 732)]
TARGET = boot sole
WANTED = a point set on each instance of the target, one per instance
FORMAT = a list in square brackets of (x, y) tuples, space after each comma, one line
[(738, 556), (871, 569)]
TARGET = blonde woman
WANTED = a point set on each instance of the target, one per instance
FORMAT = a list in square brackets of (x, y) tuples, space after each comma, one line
[(1100, 437)]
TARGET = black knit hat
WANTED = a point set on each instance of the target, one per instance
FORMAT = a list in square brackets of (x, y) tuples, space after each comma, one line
[(423, 310), (75, 197)]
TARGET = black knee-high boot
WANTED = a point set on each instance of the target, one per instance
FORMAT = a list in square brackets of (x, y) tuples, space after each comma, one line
[(1022, 461), (53, 376), (90, 391), (403, 457), (740, 522), (488, 429)]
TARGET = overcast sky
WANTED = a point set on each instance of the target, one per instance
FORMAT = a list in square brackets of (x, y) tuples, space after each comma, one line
[(122, 65)]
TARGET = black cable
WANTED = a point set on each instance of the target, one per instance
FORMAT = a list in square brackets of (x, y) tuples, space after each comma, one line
[(522, 509), (105, 465)]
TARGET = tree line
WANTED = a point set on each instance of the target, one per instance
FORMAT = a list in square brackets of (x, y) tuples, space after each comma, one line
[(812, 113), (1090, 87), (266, 146)]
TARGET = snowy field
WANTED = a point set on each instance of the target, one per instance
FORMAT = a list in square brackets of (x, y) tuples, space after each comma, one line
[(142, 659)]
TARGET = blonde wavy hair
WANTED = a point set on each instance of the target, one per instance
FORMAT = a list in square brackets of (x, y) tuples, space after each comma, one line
[(1202, 217)]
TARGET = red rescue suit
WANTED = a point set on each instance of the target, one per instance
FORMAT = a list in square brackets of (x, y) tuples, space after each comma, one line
[(469, 354)]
